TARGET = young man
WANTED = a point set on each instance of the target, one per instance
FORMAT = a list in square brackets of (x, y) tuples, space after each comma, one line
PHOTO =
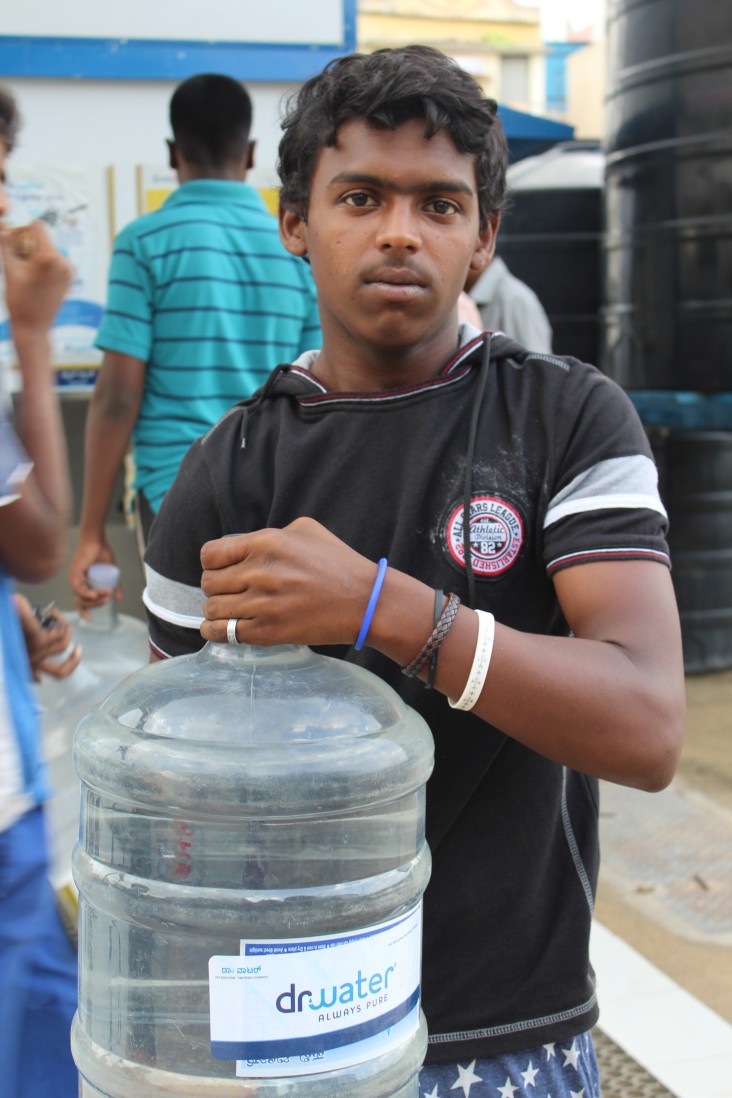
[(203, 302), (37, 961), (401, 433)]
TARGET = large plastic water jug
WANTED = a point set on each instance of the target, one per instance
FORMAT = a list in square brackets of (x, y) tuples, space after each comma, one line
[(250, 872), (113, 646)]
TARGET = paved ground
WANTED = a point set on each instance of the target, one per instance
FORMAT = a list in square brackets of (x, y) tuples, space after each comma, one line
[(666, 880)]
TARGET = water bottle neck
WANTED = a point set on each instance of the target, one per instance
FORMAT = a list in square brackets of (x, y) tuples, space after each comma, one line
[(251, 654), (104, 619)]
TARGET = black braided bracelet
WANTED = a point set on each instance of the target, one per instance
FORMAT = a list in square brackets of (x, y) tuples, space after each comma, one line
[(436, 637)]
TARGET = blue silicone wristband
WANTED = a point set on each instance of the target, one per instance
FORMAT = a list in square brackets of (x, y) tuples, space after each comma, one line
[(375, 592)]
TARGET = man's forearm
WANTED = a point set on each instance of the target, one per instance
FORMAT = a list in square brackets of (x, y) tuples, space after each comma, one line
[(106, 442), (40, 429), (112, 415)]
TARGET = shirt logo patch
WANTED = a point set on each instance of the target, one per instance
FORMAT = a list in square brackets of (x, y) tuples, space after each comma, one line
[(496, 535)]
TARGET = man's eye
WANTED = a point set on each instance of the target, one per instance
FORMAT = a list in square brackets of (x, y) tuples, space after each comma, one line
[(359, 199), (442, 206)]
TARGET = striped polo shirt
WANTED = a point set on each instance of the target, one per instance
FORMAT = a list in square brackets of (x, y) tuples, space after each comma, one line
[(204, 293)]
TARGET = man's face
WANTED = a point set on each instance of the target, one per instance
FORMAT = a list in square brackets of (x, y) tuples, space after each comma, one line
[(391, 231)]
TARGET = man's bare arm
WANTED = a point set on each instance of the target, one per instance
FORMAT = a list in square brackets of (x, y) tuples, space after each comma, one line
[(112, 414), (34, 527)]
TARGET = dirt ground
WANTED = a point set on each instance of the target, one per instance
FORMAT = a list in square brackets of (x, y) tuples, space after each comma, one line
[(702, 968)]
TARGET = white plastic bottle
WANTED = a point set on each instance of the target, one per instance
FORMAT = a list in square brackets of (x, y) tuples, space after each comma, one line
[(250, 874), (113, 646)]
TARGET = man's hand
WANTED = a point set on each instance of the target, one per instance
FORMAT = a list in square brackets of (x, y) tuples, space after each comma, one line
[(44, 642), (300, 585), (88, 552), (36, 278)]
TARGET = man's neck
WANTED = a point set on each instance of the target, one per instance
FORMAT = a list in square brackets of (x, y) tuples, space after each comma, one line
[(191, 173), (343, 369)]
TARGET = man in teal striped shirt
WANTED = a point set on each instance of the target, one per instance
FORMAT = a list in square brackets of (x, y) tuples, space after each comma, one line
[(203, 302)]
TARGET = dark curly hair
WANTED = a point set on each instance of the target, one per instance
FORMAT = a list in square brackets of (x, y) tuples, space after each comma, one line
[(211, 115), (9, 119), (384, 89)]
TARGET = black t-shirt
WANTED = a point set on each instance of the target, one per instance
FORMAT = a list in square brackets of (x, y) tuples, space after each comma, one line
[(561, 473)]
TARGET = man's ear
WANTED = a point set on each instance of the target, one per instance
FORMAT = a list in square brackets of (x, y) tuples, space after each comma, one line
[(293, 231), (250, 156), (172, 154), (485, 245)]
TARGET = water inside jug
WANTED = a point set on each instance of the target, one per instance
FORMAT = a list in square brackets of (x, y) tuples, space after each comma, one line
[(250, 870)]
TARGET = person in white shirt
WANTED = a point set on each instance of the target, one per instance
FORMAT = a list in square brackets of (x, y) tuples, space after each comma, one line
[(506, 304)]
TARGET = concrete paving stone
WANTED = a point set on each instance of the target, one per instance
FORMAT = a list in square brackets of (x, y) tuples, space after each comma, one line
[(670, 854)]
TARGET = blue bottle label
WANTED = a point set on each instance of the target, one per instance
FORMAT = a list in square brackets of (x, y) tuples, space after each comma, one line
[(300, 1006)]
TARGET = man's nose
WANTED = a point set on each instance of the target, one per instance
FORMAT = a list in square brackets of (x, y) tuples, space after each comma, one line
[(399, 228)]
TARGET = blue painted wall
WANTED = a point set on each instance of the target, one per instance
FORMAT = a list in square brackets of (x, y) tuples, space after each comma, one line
[(556, 73), (143, 59)]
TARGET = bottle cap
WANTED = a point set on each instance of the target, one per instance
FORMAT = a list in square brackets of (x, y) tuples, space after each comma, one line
[(102, 575)]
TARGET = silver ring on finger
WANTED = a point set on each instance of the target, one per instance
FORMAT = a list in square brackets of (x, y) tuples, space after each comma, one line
[(231, 630)]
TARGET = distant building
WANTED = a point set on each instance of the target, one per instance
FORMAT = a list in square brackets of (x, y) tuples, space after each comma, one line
[(576, 75), (498, 41), (586, 87)]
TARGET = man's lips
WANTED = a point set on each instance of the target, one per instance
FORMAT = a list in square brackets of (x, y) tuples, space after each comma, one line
[(395, 284), (395, 276)]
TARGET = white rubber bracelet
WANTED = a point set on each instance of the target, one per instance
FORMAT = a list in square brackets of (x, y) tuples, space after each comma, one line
[(481, 662)]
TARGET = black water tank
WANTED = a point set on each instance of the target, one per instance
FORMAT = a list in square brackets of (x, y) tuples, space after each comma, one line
[(695, 480), (551, 238), (668, 193)]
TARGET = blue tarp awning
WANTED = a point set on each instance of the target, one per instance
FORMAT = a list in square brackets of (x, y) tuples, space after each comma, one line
[(530, 134)]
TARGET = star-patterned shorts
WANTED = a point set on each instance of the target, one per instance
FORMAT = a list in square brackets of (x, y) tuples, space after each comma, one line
[(566, 1070)]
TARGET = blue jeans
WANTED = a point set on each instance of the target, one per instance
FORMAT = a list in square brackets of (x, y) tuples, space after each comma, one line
[(566, 1070), (38, 981)]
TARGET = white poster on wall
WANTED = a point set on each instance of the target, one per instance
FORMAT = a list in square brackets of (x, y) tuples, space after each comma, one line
[(156, 184), (74, 205)]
